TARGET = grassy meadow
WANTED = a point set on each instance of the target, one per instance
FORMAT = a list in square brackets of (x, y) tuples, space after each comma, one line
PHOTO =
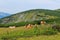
[(39, 32)]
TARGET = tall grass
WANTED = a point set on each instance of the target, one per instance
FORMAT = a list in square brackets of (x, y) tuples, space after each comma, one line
[(35, 31)]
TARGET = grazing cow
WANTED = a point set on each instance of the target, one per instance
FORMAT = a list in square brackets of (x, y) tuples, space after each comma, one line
[(28, 26), (43, 22), (12, 27)]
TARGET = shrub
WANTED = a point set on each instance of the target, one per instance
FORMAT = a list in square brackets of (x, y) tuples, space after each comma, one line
[(56, 27), (50, 31)]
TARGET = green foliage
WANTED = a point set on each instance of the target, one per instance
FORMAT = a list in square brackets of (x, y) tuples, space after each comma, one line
[(19, 24), (56, 27), (49, 31)]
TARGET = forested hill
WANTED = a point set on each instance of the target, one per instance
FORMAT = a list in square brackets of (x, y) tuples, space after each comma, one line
[(32, 15)]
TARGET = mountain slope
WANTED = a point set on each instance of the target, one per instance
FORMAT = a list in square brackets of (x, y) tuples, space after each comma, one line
[(31, 15), (2, 14)]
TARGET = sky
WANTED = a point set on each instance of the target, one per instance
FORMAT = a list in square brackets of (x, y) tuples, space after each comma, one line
[(15, 6)]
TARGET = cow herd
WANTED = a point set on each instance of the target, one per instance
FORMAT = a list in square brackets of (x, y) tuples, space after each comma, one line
[(28, 26)]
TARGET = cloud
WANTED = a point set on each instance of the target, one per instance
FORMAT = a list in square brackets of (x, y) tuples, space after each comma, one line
[(13, 6)]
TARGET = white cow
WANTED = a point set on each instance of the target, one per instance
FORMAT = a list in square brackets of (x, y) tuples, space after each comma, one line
[(12, 27)]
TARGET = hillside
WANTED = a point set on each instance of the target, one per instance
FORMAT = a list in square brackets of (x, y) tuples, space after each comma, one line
[(32, 15), (3, 14)]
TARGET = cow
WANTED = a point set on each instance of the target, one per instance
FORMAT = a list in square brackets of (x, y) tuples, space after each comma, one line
[(12, 27), (28, 26), (43, 22)]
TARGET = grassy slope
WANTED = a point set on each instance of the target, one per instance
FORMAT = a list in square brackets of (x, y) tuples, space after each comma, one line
[(53, 37)]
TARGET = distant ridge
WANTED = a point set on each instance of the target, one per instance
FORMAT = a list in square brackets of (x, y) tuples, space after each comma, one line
[(3, 14)]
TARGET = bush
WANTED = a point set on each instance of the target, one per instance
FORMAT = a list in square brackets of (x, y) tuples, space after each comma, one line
[(50, 31), (18, 24), (56, 27)]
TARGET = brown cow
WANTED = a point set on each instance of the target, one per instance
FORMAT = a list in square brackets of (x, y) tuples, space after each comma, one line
[(43, 22), (28, 26)]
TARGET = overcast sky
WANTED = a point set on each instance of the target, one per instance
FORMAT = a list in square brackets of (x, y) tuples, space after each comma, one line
[(13, 6)]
